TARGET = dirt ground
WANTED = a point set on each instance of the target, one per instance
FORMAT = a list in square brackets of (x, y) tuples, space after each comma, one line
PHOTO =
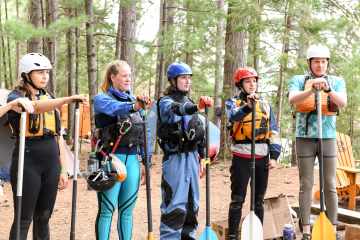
[(282, 181)]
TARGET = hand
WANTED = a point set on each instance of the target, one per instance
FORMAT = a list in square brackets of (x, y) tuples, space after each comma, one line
[(205, 101), (143, 102), (320, 84), (79, 98), (202, 167), (143, 176), (272, 164), (213, 152), (252, 98), (63, 181), (20, 103)]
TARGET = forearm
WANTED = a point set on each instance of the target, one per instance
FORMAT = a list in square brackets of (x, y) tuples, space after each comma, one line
[(4, 109), (49, 104), (184, 109), (297, 97), (340, 99), (240, 113)]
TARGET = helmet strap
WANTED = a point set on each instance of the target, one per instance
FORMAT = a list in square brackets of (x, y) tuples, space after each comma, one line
[(28, 80)]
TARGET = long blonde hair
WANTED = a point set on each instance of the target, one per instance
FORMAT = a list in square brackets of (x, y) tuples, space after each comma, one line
[(112, 68)]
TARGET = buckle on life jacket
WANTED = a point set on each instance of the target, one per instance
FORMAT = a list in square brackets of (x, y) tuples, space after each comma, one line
[(125, 127)]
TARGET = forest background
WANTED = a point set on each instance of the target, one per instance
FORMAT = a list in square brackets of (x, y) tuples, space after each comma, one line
[(213, 37)]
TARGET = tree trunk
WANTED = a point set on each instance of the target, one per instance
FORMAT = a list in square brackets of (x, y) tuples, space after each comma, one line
[(189, 30), (283, 63), (11, 79), (3, 52), (51, 42), (71, 58), (17, 42), (34, 44), (118, 34), (91, 57), (234, 58), (128, 30), (160, 66), (218, 64)]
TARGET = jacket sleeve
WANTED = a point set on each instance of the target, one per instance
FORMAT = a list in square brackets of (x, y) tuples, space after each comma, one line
[(166, 110), (275, 143), (235, 113), (111, 107)]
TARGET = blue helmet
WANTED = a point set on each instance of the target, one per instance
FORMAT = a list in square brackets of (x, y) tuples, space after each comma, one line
[(178, 68)]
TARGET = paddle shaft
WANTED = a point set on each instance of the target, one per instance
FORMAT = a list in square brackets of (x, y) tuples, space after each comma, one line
[(320, 154), (76, 159), (207, 167), (253, 122), (19, 185), (148, 183)]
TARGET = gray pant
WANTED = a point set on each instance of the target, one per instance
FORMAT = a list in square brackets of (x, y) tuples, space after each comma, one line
[(307, 150)]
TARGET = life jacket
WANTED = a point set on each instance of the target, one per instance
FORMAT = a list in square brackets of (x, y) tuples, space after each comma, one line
[(47, 123), (129, 128), (308, 106), (183, 136), (328, 107), (241, 131)]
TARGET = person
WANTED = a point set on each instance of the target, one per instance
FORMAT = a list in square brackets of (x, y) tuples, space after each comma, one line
[(301, 90), (181, 137), (115, 109), (43, 170), (267, 145)]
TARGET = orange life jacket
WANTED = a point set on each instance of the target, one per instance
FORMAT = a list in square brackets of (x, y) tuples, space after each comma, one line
[(241, 130), (309, 104)]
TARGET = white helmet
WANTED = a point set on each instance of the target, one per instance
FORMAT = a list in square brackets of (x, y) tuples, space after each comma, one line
[(34, 61), (318, 51)]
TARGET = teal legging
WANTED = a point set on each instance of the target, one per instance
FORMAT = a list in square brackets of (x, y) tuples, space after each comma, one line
[(123, 195)]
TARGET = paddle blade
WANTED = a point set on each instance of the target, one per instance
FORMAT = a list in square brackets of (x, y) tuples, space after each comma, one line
[(251, 228), (150, 236), (323, 229), (208, 234)]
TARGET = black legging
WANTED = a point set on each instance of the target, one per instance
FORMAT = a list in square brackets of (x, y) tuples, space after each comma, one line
[(240, 174), (40, 183)]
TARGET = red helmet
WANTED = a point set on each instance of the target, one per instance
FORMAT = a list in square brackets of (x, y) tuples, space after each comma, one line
[(244, 72)]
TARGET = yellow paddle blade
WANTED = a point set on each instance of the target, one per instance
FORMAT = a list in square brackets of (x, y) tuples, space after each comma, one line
[(323, 229), (150, 236)]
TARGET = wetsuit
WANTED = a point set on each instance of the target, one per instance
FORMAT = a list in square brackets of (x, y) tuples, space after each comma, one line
[(109, 108), (180, 167), (40, 179)]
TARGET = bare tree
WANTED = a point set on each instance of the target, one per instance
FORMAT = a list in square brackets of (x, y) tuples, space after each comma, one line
[(3, 52), (283, 60), (219, 63), (8, 49), (71, 58), (165, 43), (160, 66), (125, 37), (51, 42), (34, 44), (234, 58), (91, 56)]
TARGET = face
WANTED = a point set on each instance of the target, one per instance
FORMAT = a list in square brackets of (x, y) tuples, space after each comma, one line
[(319, 66), (122, 80), (184, 83), (249, 85), (40, 78)]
